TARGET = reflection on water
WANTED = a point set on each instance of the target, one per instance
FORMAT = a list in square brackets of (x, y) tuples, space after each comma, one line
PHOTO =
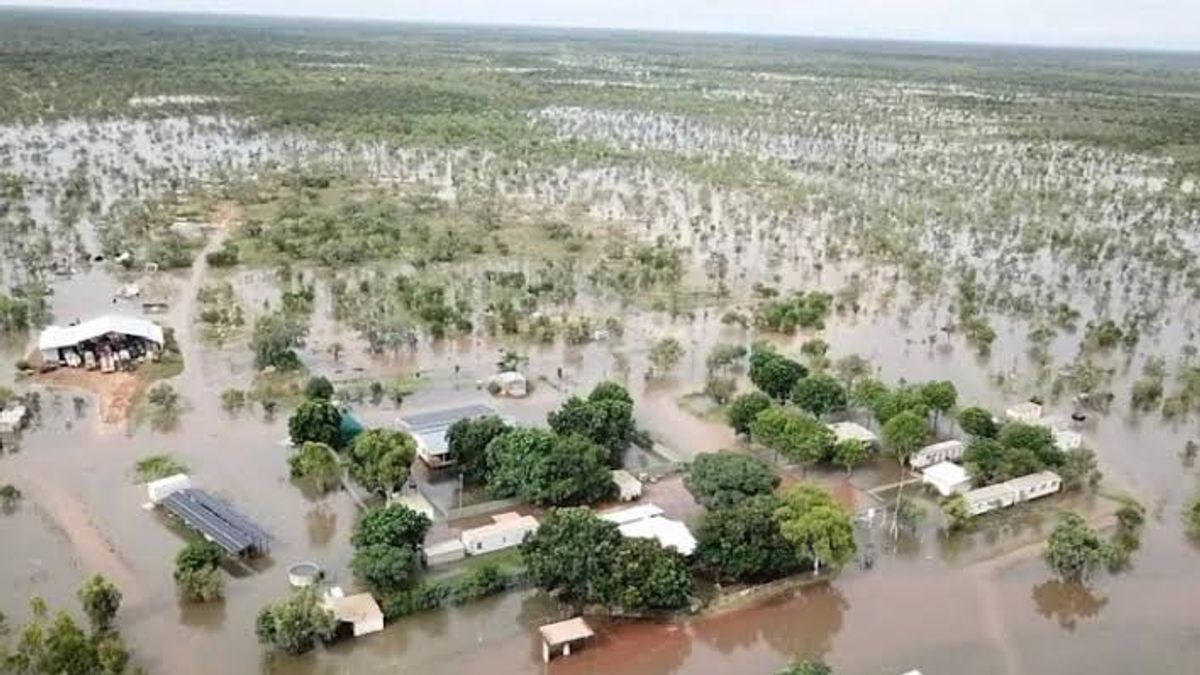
[(1067, 603)]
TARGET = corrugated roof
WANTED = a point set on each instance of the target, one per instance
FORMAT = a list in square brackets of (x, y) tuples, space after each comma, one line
[(1032, 479), (57, 337), (421, 423), (628, 515)]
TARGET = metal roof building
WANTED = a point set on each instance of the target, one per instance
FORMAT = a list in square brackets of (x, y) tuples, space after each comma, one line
[(219, 522), (59, 337), (429, 430)]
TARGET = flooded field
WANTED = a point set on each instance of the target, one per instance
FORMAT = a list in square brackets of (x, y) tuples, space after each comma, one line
[(955, 247)]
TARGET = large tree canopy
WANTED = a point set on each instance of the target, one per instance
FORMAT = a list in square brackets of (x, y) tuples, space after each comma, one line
[(819, 394), (743, 543), (745, 408), (605, 417), (572, 555), (817, 526), (468, 440), (978, 422), (317, 421), (1075, 551), (395, 525), (295, 625), (774, 374), (795, 433), (719, 480), (648, 576), (905, 433), (381, 459), (548, 469)]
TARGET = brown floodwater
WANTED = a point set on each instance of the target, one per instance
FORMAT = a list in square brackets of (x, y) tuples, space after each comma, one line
[(983, 604)]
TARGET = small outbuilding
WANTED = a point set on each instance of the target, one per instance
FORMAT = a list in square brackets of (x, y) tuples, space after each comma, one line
[(1028, 412), (158, 490), (944, 451), (562, 636), (511, 384), (947, 478), (629, 488), (507, 530), (361, 611), (846, 431), (444, 552)]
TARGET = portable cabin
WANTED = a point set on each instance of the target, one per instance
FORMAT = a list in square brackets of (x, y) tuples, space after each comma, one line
[(628, 487), (505, 531), (990, 498), (944, 451), (1035, 485), (444, 552)]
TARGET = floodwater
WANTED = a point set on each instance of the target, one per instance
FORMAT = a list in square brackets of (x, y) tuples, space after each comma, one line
[(983, 605)]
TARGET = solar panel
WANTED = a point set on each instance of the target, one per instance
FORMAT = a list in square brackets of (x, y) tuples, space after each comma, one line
[(217, 520)]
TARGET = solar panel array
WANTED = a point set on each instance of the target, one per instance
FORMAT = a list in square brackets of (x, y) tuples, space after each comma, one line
[(218, 521)]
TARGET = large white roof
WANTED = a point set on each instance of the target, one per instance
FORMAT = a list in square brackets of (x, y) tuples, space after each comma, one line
[(946, 473), (632, 513), (669, 533), (57, 337)]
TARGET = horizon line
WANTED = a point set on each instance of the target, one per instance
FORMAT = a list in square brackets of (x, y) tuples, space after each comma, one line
[(959, 42)]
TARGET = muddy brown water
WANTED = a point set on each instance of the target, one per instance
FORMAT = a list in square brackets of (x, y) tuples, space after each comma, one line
[(929, 605)]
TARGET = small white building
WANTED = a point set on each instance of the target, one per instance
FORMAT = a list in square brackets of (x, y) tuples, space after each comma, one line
[(647, 522), (1035, 485), (947, 478), (844, 431), (158, 490), (563, 635), (511, 384), (944, 451), (990, 498), (445, 552), (507, 530), (628, 487), (1027, 412), (360, 611)]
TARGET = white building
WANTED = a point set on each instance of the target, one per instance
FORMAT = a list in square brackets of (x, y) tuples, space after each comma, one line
[(947, 478), (1033, 486), (111, 335), (1027, 412), (443, 552), (1015, 491), (360, 611), (157, 490), (628, 487), (505, 531), (844, 431), (647, 522), (944, 451), (429, 429)]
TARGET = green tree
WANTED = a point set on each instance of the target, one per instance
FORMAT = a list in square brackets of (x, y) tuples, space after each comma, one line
[(318, 463), (197, 572), (650, 577), (394, 525), (745, 408), (100, 600), (905, 434), (1191, 516), (723, 357), (610, 391), (318, 388), (940, 396), (902, 399), (548, 469), (869, 393), (664, 355), (794, 433), (819, 394), (978, 422), (817, 526), (316, 421), (607, 420), (722, 479), (957, 513), (849, 453), (67, 649), (572, 556), (275, 339), (1080, 470), (468, 439), (295, 625), (387, 569), (774, 374), (743, 543), (381, 459), (807, 668), (1037, 440), (1075, 551)]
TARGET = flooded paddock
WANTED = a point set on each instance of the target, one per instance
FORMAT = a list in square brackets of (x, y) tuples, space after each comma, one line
[(910, 212)]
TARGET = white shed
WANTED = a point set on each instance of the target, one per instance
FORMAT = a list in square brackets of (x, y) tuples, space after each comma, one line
[(938, 452), (360, 611), (1035, 485), (990, 498), (444, 552), (628, 487), (646, 521), (947, 478), (507, 530), (158, 490)]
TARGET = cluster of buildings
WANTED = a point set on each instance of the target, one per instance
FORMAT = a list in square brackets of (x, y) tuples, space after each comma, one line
[(940, 470)]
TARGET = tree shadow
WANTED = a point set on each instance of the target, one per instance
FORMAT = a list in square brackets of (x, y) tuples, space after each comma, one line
[(1067, 603)]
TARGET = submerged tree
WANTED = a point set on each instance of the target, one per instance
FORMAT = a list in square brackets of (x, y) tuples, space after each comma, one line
[(295, 625), (1075, 551)]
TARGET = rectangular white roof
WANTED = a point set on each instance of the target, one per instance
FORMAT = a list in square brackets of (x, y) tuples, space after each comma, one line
[(1032, 479), (849, 430), (989, 492), (57, 337), (670, 533), (946, 473), (624, 479), (505, 522), (632, 514), (952, 444)]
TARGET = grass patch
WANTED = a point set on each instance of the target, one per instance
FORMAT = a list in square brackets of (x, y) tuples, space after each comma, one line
[(155, 467)]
